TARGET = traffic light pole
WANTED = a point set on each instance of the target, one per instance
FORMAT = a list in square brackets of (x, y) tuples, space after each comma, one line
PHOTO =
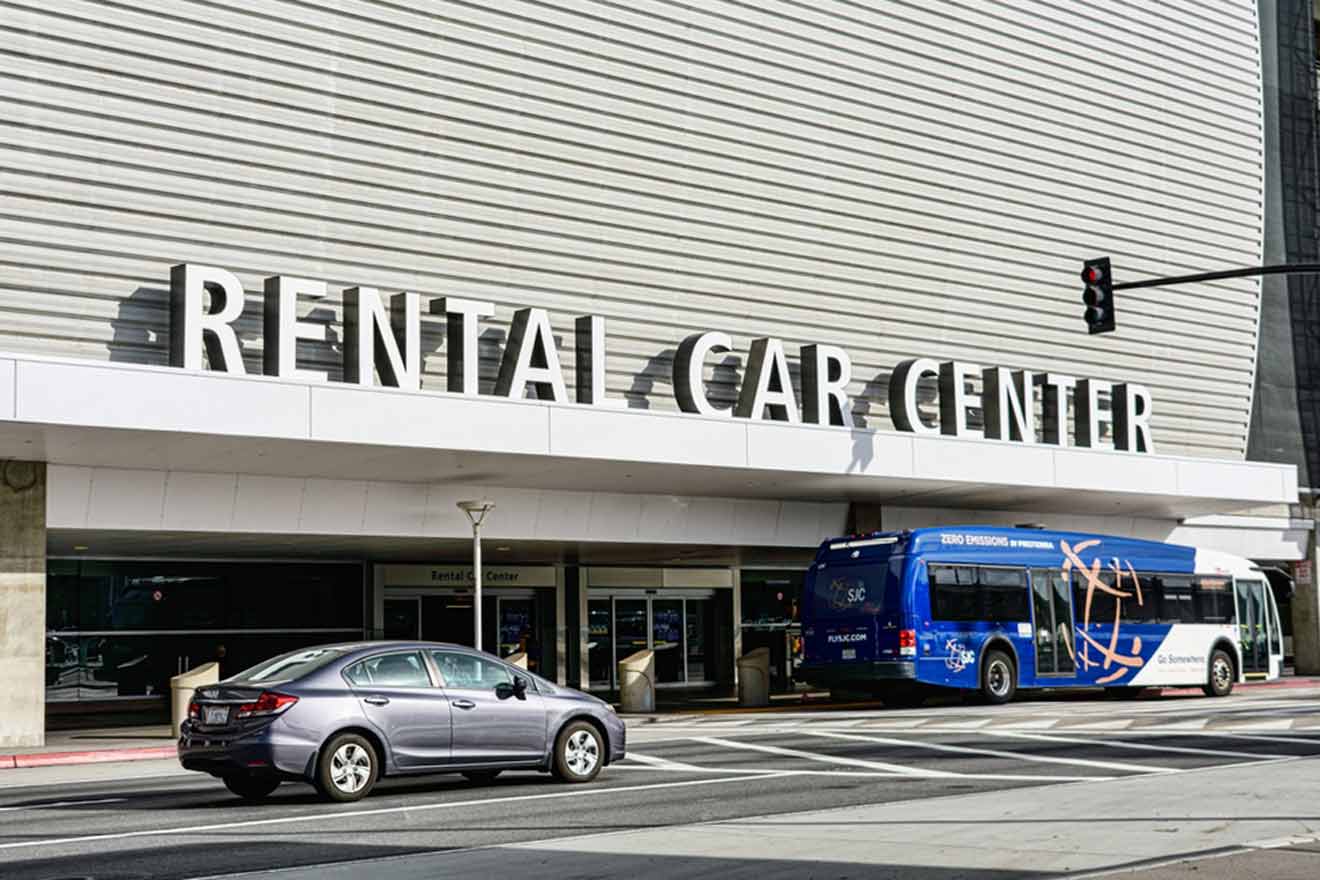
[(1249, 271)]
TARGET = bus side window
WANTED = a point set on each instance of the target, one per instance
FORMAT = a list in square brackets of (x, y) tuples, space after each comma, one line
[(1178, 605), (1214, 600)]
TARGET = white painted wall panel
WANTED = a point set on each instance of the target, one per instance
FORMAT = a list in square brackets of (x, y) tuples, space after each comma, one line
[(900, 178)]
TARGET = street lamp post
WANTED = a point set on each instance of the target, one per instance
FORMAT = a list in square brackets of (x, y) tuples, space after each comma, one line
[(476, 512)]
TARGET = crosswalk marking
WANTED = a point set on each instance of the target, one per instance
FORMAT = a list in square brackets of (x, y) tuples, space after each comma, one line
[(896, 769), (994, 753), (1123, 744)]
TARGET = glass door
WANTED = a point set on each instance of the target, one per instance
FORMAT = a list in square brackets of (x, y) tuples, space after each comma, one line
[(667, 640), (403, 618), (631, 629), (600, 643), (1253, 628), (517, 627), (1051, 605)]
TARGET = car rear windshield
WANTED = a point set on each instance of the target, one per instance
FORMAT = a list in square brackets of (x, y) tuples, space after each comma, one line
[(287, 667)]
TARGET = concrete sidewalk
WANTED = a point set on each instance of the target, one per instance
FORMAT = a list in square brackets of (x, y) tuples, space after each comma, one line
[(94, 746)]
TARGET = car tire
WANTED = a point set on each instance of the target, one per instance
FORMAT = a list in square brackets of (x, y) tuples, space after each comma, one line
[(347, 769), (998, 678), (481, 777), (579, 753), (252, 788), (1219, 682)]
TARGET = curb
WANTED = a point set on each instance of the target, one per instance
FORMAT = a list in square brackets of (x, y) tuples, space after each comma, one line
[(100, 756)]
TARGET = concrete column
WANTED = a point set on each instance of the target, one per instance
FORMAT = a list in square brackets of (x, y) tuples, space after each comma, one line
[(1306, 617), (22, 603)]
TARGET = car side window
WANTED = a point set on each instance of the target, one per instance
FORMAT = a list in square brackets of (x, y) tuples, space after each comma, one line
[(404, 669), (470, 672)]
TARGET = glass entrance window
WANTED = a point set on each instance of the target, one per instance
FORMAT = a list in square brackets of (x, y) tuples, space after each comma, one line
[(680, 630), (699, 618)]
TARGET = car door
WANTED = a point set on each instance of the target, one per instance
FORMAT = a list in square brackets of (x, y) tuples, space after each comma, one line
[(489, 723), (399, 698)]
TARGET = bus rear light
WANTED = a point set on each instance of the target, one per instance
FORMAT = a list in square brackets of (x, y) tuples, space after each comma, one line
[(907, 642)]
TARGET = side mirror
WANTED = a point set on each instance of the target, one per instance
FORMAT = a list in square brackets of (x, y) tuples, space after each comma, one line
[(520, 687)]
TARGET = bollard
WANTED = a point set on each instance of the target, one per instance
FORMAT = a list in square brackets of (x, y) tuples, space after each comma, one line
[(518, 659), (754, 678), (637, 682), (182, 687)]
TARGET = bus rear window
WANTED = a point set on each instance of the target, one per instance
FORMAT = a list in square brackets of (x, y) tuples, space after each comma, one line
[(849, 589)]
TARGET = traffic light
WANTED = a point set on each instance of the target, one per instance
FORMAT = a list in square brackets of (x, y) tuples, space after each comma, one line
[(1098, 295)]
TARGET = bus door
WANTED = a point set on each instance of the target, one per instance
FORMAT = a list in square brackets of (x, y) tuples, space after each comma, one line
[(1254, 626), (1051, 605)]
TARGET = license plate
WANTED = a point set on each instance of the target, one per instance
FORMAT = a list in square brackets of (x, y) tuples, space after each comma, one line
[(849, 653), (215, 714)]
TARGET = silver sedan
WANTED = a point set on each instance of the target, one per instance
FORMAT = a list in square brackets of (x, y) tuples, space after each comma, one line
[(342, 716)]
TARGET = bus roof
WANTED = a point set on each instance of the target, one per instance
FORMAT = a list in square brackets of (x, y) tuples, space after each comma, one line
[(1044, 548)]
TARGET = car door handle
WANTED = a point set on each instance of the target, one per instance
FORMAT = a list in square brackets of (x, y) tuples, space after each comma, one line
[(463, 704), (376, 701)]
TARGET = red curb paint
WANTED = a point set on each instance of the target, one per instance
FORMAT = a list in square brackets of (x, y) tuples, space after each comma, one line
[(101, 756)]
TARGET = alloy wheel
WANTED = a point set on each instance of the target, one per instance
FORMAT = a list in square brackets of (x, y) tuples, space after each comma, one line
[(350, 768), (581, 752)]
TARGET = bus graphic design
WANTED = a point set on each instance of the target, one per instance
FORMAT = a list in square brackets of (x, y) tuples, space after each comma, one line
[(960, 657), (1117, 572)]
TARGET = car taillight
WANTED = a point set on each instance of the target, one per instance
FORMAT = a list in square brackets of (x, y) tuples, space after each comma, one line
[(269, 703), (194, 710), (907, 638)]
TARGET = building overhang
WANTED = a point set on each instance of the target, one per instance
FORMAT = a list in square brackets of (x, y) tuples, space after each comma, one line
[(131, 416)]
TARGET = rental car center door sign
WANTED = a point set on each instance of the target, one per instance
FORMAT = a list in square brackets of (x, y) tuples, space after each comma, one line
[(383, 338)]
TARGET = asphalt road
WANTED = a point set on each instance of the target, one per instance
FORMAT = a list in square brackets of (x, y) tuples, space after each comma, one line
[(152, 820)]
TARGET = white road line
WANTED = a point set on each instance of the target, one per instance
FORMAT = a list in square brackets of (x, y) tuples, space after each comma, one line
[(62, 804), (1120, 744), (383, 811), (995, 753), (1240, 734), (660, 763), (896, 769)]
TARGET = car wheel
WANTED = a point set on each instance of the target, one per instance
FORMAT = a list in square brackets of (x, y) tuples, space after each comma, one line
[(252, 788), (998, 678), (481, 777), (348, 768), (579, 753), (1220, 683)]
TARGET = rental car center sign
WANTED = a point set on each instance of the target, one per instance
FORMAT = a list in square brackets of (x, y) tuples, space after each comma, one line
[(384, 339)]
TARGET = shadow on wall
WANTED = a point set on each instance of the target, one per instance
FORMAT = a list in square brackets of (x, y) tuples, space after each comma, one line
[(140, 330)]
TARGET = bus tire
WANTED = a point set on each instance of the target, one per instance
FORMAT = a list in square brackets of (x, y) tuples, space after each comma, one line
[(998, 678), (1220, 680)]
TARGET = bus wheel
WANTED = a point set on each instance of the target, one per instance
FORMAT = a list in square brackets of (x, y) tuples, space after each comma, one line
[(1220, 683), (998, 678)]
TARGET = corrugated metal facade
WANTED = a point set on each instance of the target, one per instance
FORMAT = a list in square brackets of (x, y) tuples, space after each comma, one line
[(899, 178)]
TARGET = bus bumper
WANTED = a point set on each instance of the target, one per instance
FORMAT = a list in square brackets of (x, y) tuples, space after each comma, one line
[(856, 674)]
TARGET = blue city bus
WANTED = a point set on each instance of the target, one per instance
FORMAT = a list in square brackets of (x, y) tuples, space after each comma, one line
[(989, 609)]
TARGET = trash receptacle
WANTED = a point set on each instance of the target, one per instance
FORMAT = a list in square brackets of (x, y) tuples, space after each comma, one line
[(519, 659), (637, 682), (754, 678), (182, 687)]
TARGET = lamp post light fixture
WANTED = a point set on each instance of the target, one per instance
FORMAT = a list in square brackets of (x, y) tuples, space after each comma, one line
[(476, 512)]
